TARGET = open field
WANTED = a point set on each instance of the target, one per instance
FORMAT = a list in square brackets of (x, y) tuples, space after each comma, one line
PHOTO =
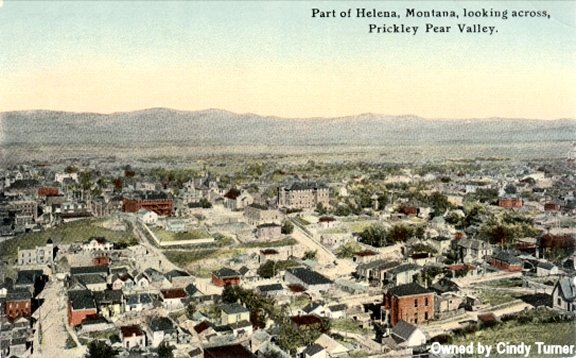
[(194, 234), (74, 232), (549, 333)]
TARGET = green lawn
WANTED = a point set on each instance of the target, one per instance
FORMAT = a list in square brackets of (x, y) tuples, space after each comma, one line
[(262, 244), (347, 325), (549, 333), (495, 298), (193, 234), (73, 232)]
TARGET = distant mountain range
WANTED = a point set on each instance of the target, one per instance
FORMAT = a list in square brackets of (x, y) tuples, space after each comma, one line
[(220, 128)]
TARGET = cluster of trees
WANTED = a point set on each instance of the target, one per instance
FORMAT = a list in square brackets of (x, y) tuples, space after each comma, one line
[(262, 308), (271, 268), (378, 236)]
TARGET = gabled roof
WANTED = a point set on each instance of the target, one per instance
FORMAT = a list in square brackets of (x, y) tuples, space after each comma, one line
[(403, 330), (28, 277), (270, 288), (404, 268), (81, 300), (408, 290), (338, 307), (232, 194), (191, 289), (309, 277), (89, 270), (18, 295), (507, 257), (173, 293), (202, 326), (133, 330), (176, 273), (474, 244), (313, 349), (108, 297), (546, 265), (311, 307), (226, 272), (567, 287), (234, 308)]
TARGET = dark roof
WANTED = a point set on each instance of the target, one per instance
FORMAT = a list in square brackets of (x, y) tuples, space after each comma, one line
[(88, 270), (311, 307), (408, 290), (232, 194), (108, 297), (305, 320), (233, 308), (243, 270), (267, 225), (307, 276), (173, 293), (176, 273), (258, 206), (404, 268), (403, 330), (232, 351), (269, 288), (507, 257), (81, 300), (338, 307), (326, 219), (307, 185), (148, 195), (202, 326), (269, 252), (18, 295), (28, 277), (313, 349), (226, 272), (91, 279), (164, 324), (129, 331), (191, 289), (546, 265)]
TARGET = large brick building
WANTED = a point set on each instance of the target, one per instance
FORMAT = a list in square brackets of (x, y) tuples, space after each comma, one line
[(225, 276), (303, 195), (411, 303), (18, 304), (158, 202), (81, 304), (510, 203)]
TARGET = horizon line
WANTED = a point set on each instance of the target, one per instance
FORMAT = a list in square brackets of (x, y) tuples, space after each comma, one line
[(295, 118)]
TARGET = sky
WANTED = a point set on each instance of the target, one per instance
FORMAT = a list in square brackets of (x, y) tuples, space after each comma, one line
[(274, 58)]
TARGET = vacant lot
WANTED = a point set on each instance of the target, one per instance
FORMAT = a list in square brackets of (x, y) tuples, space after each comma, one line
[(193, 234), (74, 232)]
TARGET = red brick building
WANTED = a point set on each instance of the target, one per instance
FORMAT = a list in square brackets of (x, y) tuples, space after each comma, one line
[(411, 303), (551, 207), (81, 304), (510, 203), (158, 202), (505, 262), (225, 276), (48, 191), (18, 304)]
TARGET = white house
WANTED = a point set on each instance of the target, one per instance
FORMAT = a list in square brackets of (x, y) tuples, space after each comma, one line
[(407, 335), (564, 294), (545, 268), (147, 217)]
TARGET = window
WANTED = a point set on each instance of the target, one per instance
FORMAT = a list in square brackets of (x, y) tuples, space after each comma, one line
[(426, 315), (426, 301), (416, 303), (559, 301)]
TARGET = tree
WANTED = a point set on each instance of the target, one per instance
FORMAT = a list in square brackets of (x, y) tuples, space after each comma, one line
[(510, 189), (287, 227), (374, 235), (320, 209), (342, 210), (205, 204), (267, 269), (229, 294), (100, 349), (190, 310), (310, 255), (400, 233), (165, 350)]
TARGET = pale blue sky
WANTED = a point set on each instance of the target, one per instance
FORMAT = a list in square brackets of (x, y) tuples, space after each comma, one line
[(273, 58)]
